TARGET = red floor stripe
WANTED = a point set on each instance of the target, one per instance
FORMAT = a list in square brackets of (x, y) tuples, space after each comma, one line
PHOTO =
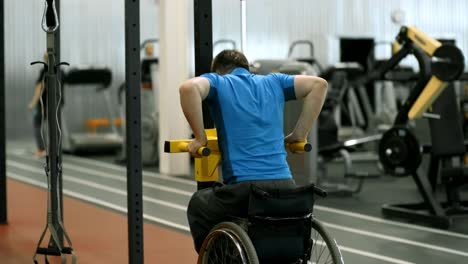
[(98, 235)]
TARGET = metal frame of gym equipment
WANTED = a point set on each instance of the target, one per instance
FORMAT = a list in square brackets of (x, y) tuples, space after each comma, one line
[(3, 194), (399, 150), (133, 129), (203, 34)]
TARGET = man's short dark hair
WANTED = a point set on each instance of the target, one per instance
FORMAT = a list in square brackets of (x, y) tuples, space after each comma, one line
[(228, 60)]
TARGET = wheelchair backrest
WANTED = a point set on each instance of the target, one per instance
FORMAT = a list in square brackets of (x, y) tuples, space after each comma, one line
[(280, 223)]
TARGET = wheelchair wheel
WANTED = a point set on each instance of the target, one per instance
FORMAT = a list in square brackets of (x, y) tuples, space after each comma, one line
[(227, 243), (324, 247)]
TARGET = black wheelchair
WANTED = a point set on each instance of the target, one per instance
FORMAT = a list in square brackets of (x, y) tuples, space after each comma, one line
[(280, 228)]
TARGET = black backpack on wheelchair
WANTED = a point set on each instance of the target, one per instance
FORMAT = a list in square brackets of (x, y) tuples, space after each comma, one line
[(280, 224)]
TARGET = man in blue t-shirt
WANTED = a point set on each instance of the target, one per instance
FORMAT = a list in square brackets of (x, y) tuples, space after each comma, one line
[(247, 110)]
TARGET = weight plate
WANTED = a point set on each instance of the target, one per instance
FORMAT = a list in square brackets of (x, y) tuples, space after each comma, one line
[(399, 152), (448, 63)]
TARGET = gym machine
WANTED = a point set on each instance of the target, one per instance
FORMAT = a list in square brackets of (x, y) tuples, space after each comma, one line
[(304, 65), (206, 166), (311, 60), (344, 145), (399, 151), (92, 141)]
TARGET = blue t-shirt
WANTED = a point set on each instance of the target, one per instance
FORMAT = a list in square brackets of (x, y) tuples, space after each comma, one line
[(247, 110)]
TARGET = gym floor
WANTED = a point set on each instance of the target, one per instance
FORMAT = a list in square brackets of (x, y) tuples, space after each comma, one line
[(95, 205)]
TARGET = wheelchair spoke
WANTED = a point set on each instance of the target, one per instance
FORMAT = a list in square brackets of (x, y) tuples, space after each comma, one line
[(323, 250), (320, 252), (315, 241)]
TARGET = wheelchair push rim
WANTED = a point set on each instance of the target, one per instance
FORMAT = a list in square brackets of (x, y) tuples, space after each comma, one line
[(227, 243)]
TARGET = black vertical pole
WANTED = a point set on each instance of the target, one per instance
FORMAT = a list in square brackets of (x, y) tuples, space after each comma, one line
[(203, 45), (203, 54), (3, 201), (133, 128)]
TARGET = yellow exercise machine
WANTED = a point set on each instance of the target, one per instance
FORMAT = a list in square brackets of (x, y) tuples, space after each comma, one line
[(206, 166), (439, 64), (399, 150)]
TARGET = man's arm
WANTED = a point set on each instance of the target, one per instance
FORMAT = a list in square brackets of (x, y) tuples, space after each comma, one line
[(192, 92), (313, 91)]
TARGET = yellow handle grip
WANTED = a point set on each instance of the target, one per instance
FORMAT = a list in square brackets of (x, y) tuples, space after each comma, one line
[(202, 151), (176, 146), (299, 147)]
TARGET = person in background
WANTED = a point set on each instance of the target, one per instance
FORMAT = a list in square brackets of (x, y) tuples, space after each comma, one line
[(38, 111)]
